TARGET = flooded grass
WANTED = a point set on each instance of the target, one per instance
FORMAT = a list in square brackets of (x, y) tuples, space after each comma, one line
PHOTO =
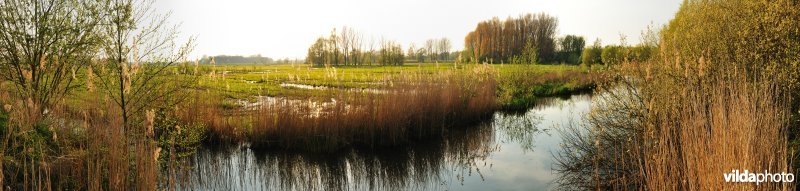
[(387, 111), (477, 157), (302, 81), (357, 118)]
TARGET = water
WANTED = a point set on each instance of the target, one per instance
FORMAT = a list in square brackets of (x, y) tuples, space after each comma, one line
[(312, 87), (511, 152)]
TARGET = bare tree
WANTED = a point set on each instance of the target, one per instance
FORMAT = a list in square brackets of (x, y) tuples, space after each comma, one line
[(357, 48), (346, 42), (444, 46), (496, 40), (371, 53), (430, 49), (136, 54), (412, 48)]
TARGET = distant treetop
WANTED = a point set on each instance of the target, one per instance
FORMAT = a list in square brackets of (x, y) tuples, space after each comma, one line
[(226, 59)]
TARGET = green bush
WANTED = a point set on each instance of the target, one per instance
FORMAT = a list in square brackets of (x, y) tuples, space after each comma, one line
[(183, 139), (613, 54), (592, 55), (641, 53), (529, 55), (762, 37)]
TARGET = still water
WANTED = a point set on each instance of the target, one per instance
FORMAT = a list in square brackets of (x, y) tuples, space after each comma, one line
[(513, 151)]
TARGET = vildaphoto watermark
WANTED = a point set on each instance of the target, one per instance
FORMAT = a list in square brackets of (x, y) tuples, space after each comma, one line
[(758, 177)]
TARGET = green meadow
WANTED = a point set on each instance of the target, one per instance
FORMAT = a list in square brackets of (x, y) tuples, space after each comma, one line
[(302, 81)]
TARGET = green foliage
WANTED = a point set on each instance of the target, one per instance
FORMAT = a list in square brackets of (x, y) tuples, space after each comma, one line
[(641, 53), (758, 38), (346, 49), (43, 40), (529, 55), (520, 86), (571, 48), (613, 54), (593, 54), (762, 37), (179, 139)]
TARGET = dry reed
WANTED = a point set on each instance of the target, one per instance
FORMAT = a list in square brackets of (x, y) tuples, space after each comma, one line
[(413, 106), (662, 129)]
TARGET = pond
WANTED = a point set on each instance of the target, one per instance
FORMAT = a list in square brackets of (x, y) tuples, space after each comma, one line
[(513, 151)]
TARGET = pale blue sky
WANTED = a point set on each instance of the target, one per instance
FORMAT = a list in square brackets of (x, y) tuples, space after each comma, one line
[(286, 28)]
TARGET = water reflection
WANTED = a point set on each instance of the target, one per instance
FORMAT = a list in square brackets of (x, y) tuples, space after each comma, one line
[(511, 152)]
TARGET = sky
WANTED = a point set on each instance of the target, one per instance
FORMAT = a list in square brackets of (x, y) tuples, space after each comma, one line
[(286, 28)]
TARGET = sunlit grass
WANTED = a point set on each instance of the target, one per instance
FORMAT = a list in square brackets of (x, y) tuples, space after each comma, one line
[(246, 81)]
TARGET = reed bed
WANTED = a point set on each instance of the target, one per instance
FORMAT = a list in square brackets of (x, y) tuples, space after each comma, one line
[(423, 165), (721, 96), (84, 147), (412, 106), (663, 129)]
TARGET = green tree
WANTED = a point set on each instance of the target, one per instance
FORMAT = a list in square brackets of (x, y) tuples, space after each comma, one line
[(593, 54), (42, 45), (529, 55), (613, 54), (138, 52), (570, 49)]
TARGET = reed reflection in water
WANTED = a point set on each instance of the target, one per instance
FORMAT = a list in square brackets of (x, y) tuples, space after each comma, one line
[(511, 152)]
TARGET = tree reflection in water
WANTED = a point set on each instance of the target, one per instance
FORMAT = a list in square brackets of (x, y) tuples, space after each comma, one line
[(424, 164), (459, 156)]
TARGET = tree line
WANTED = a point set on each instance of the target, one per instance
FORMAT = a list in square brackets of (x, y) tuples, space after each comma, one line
[(228, 59), (529, 38), (348, 48), (498, 41), (616, 54), (433, 50)]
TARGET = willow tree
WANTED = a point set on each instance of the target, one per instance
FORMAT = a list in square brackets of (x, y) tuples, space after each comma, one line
[(42, 44)]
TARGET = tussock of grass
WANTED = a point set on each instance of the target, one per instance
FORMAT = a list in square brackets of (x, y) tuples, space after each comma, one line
[(521, 85)]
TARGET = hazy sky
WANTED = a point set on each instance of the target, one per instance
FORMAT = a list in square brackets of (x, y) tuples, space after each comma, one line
[(286, 28)]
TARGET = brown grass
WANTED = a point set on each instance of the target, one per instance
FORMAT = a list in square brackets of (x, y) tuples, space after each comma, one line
[(666, 129), (422, 165), (414, 106), (80, 148), (714, 125)]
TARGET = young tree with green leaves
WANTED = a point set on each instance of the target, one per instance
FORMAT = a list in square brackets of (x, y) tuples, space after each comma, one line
[(592, 54), (139, 61)]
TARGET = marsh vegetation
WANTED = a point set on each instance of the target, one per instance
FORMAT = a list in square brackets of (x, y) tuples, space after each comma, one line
[(100, 95)]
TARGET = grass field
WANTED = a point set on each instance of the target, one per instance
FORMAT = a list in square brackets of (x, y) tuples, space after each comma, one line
[(303, 81), (328, 108)]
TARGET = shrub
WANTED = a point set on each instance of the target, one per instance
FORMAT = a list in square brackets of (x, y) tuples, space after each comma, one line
[(759, 38), (717, 98), (762, 37), (613, 54), (641, 53), (592, 55)]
